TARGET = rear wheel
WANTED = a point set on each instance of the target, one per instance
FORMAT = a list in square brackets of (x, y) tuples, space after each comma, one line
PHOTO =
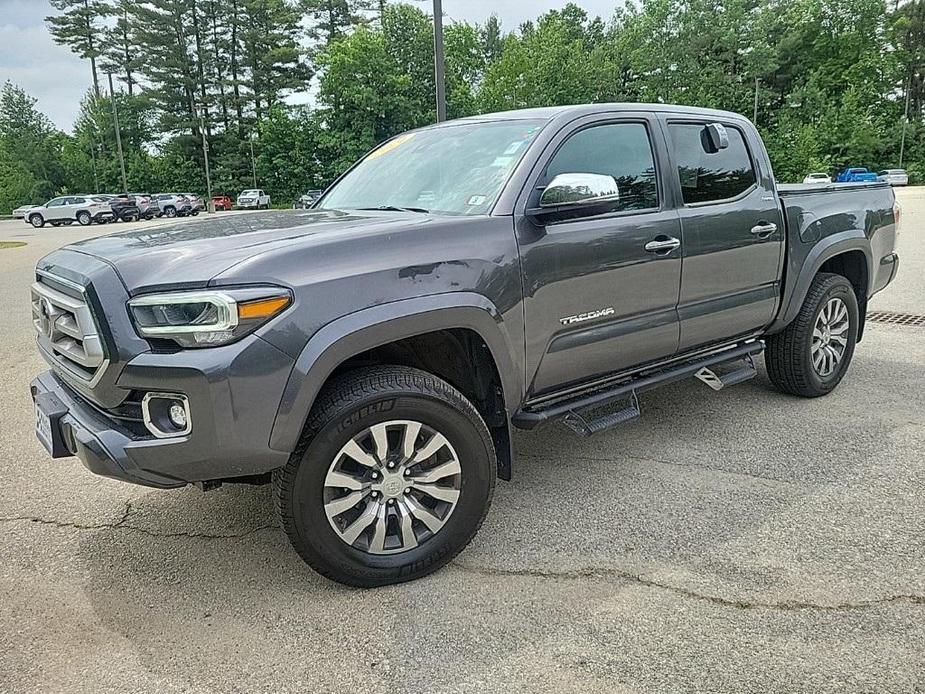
[(170, 212), (812, 354), (393, 477), (37, 220)]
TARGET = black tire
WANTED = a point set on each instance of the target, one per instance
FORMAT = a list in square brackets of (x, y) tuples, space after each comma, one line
[(344, 409), (37, 220), (788, 356), (170, 211)]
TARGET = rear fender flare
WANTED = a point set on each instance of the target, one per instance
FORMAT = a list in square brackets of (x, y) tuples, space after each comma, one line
[(373, 327), (825, 249)]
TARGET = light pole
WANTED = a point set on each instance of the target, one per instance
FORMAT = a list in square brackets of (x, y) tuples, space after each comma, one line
[(115, 117), (253, 159), (439, 63), (210, 205)]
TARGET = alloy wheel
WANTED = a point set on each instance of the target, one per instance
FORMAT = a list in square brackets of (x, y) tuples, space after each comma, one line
[(830, 339), (392, 487)]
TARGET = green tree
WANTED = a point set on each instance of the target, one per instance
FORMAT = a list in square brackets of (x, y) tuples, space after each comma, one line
[(562, 59), (78, 27), (30, 151), (332, 19)]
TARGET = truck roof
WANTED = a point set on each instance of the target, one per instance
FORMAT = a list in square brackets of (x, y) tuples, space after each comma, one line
[(550, 112)]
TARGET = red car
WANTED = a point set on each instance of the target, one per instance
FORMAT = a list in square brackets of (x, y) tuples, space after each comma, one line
[(222, 203)]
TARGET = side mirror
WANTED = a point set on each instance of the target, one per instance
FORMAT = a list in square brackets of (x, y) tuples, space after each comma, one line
[(715, 138), (577, 194)]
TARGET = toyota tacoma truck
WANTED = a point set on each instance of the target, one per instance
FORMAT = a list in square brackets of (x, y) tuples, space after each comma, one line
[(371, 356)]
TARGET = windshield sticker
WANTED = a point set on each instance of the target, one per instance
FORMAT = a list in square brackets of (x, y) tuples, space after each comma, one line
[(502, 162), (477, 200), (514, 146), (390, 145)]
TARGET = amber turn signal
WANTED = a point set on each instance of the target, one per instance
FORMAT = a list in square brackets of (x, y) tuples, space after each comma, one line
[(262, 308)]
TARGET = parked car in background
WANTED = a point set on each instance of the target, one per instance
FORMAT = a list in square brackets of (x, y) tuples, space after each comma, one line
[(196, 202), (817, 178), (895, 177), (857, 174), (147, 205), (222, 203), (20, 211), (124, 208), (174, 205), (253, 199), (306, 201), (83, 209)]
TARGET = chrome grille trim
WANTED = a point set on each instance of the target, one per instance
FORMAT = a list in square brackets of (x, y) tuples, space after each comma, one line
[(67, 331)]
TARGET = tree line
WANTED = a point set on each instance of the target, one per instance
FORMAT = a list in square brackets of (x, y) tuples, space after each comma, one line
[(832, 83)]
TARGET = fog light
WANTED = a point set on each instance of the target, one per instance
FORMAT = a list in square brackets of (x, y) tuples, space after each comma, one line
[(177, 415), (166, 414)]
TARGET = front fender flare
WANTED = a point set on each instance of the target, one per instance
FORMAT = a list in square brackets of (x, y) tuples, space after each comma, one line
[(379, 325), (800, 275)]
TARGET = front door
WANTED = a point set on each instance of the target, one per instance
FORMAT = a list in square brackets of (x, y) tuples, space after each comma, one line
[(596, 300), (56, 209), (733, 233)]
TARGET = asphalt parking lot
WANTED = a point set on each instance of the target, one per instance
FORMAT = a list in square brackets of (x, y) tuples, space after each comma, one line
[(743, 541)]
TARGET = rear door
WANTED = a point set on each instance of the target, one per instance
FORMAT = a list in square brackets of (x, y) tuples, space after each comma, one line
[(732, 232), (596, 300)]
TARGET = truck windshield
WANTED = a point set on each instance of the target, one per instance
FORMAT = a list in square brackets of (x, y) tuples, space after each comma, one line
[(458, 169)]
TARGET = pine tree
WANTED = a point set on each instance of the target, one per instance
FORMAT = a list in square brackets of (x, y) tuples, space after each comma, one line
[(78, 27), (331, 19), (271, 52), (120, 54)]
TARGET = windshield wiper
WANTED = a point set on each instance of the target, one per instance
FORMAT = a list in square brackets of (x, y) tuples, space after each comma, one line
[(394, 208)]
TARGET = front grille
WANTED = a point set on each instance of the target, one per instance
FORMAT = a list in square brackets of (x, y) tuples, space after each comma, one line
[(67, 330)]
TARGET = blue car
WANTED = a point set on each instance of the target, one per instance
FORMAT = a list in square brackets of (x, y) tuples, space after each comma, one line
[(856, 175)]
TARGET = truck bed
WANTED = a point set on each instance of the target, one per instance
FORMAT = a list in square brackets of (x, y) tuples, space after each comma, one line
[(835, 214)]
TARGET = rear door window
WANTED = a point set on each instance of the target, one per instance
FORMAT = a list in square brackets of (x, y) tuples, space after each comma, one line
[(707, 176)]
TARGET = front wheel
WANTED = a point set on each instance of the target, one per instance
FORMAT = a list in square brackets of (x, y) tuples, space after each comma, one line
[(37, 221), (392, 480), (811, 355)]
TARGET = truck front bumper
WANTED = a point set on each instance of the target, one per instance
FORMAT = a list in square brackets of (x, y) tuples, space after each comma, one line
[(77, 428), (233, 393)]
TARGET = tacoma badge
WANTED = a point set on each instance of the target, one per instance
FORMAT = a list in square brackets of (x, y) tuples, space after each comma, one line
[(590, 315)]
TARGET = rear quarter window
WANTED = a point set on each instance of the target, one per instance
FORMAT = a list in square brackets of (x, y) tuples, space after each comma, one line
[(711, 176)]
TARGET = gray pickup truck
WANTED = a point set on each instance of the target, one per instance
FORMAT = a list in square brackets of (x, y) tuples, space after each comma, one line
[(370, 356)]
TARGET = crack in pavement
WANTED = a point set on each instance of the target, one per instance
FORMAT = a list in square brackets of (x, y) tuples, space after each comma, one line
[(591, 572), (122, 524)]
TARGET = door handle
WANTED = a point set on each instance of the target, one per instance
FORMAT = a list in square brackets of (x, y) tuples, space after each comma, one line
[(764, 229), (663, 244)]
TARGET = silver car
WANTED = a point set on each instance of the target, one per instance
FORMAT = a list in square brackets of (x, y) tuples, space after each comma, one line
[(196, 202), (83, 209), (895, 177), (20, 212), (174, 205)]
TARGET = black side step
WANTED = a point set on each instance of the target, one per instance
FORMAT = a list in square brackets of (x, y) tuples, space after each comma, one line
[(570, 407)]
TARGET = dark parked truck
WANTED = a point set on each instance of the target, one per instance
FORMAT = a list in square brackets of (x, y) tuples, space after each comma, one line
[(371, 356)]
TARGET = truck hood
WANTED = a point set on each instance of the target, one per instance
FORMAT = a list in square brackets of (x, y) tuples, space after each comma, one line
[(192, 253)]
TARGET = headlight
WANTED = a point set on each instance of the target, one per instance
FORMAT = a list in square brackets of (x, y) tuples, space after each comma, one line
[(206, 318)]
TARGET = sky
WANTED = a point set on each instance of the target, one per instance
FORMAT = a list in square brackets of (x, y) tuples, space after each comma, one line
[(59, 79)]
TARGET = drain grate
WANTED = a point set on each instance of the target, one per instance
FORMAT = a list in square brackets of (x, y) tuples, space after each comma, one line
[(896, 318)]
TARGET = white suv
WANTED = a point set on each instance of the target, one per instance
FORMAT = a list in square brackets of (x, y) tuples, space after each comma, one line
[(254, 199), (83, 209)]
